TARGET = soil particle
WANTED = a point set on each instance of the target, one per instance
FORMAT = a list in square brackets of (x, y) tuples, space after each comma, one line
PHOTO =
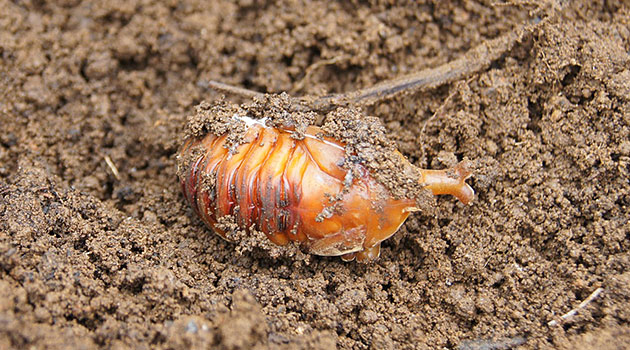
[(91, 259)]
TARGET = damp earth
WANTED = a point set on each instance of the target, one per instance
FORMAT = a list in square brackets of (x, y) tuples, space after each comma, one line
[(98, 248)]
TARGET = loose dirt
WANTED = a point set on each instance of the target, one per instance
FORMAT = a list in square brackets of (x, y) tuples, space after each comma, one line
[(99, 250)]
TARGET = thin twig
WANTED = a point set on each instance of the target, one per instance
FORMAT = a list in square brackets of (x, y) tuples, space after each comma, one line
[(234, 89), (583, 304), (112, 167)]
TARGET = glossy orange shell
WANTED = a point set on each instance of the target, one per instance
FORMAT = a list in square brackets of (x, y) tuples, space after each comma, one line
[(286, 188)]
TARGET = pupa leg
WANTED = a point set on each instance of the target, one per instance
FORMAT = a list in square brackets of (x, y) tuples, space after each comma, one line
[(343, 243), (449, 181)]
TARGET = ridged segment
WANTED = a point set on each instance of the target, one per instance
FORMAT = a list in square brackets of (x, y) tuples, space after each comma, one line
[(246, 174), (273, 194), (226, 176)]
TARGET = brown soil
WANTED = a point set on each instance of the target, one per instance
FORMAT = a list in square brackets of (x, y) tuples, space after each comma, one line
[(99, 250)]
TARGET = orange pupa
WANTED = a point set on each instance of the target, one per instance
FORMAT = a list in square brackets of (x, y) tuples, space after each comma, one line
[(300, 189)]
